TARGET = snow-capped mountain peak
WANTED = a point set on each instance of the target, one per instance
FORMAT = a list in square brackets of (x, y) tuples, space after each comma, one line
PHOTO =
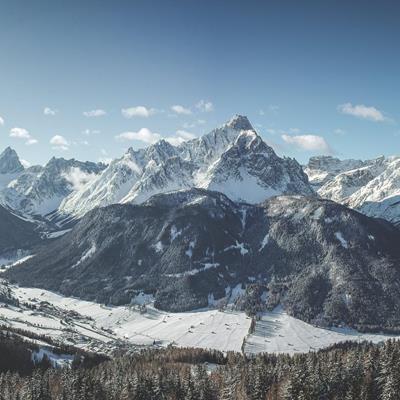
[(239, 123)]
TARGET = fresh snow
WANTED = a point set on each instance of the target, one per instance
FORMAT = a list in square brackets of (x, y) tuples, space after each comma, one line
[(193, 271), (341, 239), (86, 255), (100, 327), (264, 242), (158, 247), (238, 246), (175, 233), (278, 332), (56, 360), (53, 235)]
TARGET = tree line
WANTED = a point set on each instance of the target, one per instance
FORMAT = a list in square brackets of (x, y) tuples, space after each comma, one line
[(344, 371)]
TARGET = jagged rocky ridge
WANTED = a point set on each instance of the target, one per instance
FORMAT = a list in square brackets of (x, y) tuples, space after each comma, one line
[(39, 190), (232, 159), (371, 187), (323, 262)]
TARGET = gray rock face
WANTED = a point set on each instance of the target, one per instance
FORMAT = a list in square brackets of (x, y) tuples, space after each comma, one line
[(332, 264), (9, 162)]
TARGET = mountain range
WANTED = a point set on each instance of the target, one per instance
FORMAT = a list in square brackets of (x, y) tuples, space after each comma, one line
[(371, 187)]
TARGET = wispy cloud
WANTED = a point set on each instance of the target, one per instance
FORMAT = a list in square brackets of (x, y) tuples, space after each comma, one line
[(59, 142), (180, 137), (143, 135), (274, 109), (138, 111), (94, 113), (49, 111), (189, 125), (308, 143), (89, 132), (178, 109), (205, 106), (362, 111), (339, 132), (23, 134), (1, 121)]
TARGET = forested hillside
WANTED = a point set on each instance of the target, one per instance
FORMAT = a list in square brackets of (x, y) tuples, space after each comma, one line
[(346, 371)]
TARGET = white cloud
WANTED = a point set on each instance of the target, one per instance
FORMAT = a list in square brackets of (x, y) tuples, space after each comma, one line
[(22, 133), (31, 141), (89, 132), (261, 112), (49, 111), (308, 142), (94, 113), (139, 111), (59, 142), (181, 110), (78, 178), (189, 125), (1, 121), (143, 135), (362, 111), (205, 106)]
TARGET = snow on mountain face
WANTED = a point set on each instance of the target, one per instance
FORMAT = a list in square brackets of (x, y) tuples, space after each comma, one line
[(321, 169), (115, 183), (40, 190), (208, 148), (173, 174), (220, 160), (380, 197), (342, 186), (250, 171), (372, 187)]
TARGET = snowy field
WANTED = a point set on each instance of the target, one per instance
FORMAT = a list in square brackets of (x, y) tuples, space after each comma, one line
[(98, 327), (205, 328), (278, 332)]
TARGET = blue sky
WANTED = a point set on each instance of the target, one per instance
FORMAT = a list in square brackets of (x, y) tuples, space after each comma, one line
[(314, 77)]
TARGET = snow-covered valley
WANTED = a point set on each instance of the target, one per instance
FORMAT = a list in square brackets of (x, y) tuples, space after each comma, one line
[(100, 328)]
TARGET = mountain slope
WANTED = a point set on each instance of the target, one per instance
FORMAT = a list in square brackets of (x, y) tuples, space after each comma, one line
[(324, 262), (40, 190), (372, 188), (322, 169), (250, 171), (15, 233)]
